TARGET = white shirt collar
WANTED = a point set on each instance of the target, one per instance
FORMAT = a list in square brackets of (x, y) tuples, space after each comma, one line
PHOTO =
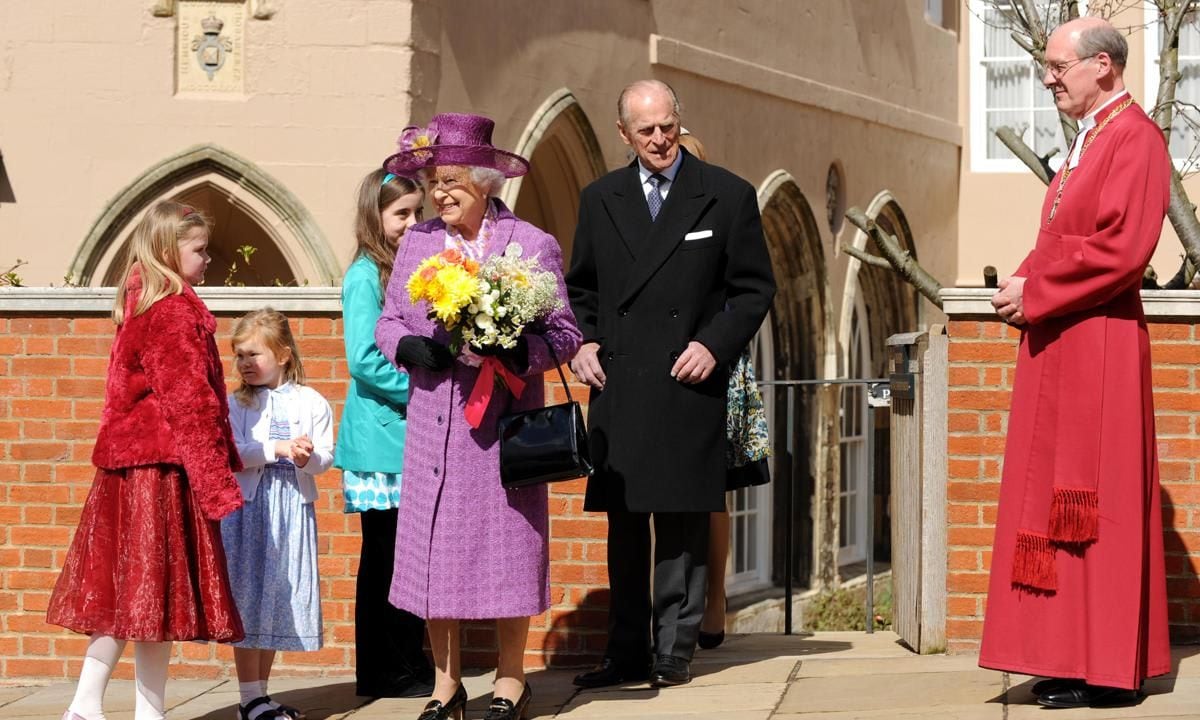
[(669, 173), (1085, 125)]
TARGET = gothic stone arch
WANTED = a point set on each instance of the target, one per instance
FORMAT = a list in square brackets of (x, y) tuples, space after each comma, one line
[(296, 243)]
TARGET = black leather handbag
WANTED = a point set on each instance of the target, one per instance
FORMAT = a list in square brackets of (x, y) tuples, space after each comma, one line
[(545, 444)]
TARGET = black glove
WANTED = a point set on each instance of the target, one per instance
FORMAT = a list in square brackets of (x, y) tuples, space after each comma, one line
[(516, 357), (417, 351)]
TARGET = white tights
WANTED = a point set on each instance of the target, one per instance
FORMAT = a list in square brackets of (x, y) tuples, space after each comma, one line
[(150, 668)]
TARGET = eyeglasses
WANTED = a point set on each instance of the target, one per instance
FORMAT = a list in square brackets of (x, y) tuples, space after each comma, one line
[(1059, 69)]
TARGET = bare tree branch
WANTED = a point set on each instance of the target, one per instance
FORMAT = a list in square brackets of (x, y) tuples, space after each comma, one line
[(866, 258), (1039, 165), (901, 260)]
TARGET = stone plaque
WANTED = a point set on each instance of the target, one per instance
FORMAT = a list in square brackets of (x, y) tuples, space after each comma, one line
[(210, 47)]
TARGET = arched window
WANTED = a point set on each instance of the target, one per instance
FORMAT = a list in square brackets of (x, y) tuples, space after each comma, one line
[(249, 209)]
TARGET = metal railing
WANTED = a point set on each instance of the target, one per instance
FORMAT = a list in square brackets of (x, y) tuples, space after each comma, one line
[(878, 395)]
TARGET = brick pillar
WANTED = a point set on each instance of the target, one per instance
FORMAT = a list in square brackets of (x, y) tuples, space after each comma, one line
[(982, 360)]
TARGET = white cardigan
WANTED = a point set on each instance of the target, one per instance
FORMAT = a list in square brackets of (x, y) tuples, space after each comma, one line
[(311, 416)]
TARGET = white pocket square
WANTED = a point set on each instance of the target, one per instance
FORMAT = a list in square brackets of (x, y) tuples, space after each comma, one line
[(698, 235)]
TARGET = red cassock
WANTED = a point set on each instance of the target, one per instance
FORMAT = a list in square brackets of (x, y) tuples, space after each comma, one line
[(1077, 586)]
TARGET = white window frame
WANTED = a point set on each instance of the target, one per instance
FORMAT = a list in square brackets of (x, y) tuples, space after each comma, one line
[(759, 574), (977, 92), (1150, 70), (858, 349)]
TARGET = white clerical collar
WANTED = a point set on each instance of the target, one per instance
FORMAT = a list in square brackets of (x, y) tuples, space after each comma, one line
[(669, 173), (1085, 125)]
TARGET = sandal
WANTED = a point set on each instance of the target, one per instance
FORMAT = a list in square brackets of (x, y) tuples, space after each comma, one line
[(271, 713), (289, 711)]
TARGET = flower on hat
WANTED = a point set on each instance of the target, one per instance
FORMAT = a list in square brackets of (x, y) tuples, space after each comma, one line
[(414, 139)]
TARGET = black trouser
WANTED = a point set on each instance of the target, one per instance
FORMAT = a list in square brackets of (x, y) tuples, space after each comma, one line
[(387, 640), (680, 577)]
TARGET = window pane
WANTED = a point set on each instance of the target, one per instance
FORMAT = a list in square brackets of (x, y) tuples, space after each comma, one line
[(997, 38), (1047, 133), (1189, 37), (1009, 84), (1018, 121)]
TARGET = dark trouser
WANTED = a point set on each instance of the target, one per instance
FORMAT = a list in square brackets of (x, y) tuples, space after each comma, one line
[(680, 574), (387, 640)]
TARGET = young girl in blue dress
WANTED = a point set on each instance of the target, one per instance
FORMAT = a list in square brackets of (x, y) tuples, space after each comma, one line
[(389, 659), (284, 434)]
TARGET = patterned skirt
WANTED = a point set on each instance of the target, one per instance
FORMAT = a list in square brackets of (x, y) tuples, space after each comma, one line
[(145, 564), (272, 547)]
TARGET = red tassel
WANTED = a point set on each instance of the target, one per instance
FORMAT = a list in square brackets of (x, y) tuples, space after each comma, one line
[(1074, 516), (1033, 563)]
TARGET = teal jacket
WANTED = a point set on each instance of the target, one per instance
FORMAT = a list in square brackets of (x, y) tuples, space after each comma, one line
[(371, 434)]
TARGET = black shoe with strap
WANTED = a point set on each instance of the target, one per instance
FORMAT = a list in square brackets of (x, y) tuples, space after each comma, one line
[(453, 710), (250, 711), (505, 709)]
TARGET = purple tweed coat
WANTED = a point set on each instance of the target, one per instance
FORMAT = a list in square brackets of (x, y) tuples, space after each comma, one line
[(466, 548)]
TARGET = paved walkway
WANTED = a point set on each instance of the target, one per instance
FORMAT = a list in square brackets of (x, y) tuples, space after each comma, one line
[(827, 676)]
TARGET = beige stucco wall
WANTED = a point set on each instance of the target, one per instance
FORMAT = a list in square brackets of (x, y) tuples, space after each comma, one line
[(998, 212), (88, 100), (87, 104)]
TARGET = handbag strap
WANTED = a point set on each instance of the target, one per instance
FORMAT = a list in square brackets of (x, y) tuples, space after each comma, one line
[(557, 366)]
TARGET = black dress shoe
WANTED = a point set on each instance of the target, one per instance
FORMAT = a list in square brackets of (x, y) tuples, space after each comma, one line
[(505, 709), (1087, 696), (453, 710), (670, 670), (708, 641), (610, 672), (1042, 687)]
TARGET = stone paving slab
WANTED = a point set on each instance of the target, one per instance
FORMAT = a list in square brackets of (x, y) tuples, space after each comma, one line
[(827, 676), (900, 690)]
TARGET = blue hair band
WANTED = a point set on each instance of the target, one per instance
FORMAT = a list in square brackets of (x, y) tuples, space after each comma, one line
[(388, 178)]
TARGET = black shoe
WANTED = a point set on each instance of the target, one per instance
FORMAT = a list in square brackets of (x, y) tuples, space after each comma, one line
[(504, 709), (609, 672), (437, 710), (670, 670), (1087, 696), (402, 687), (1042, 687), (708, 640)]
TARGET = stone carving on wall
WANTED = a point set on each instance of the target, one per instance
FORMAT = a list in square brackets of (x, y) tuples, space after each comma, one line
[(210, 47), (259, 9)]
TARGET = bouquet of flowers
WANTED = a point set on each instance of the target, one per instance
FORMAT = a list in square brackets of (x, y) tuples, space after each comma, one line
[(485, 305)]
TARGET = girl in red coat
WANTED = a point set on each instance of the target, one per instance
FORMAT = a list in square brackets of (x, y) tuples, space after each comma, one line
[(147, 563)]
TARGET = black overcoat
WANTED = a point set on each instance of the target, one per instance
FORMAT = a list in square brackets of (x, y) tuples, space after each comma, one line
[(643, 290)]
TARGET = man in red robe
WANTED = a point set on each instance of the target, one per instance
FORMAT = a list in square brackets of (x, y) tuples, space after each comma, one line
[(1078, 589)]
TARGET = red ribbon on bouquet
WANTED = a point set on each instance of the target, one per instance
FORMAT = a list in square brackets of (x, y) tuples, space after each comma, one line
[(485, 384)]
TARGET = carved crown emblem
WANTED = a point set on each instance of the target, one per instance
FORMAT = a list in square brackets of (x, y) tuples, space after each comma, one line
[(212, 25)]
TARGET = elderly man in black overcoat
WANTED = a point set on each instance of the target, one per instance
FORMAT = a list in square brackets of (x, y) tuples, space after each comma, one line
[(669, 280)]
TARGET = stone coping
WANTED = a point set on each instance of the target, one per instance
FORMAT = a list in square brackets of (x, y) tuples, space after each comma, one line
[(975, 304), (80, 300)]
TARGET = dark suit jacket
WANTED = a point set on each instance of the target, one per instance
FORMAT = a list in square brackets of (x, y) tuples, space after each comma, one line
[(643, 290)]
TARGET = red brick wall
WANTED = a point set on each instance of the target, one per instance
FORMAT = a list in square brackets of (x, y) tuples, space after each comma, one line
[(982, 357), (52, 372)]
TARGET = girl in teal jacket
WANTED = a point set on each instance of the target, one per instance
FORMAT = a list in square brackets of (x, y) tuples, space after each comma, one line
[(389, 660)]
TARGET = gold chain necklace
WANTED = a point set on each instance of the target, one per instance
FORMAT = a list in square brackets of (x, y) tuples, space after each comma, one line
[(1066, 173)]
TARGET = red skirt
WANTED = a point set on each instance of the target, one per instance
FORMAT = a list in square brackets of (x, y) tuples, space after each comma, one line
[(145, 563)]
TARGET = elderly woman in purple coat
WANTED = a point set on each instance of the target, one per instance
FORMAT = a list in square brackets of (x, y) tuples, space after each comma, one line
[(466, 548)]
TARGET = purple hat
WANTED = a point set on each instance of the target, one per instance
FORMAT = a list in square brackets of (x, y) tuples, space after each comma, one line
[(453, 139)]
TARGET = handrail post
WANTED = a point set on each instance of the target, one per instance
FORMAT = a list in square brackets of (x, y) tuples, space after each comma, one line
[(787, 504)]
